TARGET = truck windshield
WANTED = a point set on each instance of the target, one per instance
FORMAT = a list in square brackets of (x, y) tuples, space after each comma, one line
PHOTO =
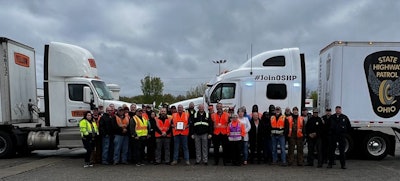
[(102, 90)]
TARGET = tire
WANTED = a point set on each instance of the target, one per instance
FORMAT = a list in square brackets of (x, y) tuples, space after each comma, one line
[(349, 145), (6, 145), (375, 146)]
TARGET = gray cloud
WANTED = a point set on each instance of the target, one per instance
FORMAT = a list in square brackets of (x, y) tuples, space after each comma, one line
[(177, 40)]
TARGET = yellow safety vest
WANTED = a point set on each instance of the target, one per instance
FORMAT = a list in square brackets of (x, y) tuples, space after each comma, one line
[(86, 127), (141, 126)]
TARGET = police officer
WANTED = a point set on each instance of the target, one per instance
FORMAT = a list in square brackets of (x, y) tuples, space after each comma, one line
[(314, 131), (325, 140), (339, 127)]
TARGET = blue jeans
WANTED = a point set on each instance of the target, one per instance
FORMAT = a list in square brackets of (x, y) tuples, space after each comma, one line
[(281, 140), (181, 140), (105, 149), (121, 144), (245, 150)]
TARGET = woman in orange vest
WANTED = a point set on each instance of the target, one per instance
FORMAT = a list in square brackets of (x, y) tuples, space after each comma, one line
[(296, 138)]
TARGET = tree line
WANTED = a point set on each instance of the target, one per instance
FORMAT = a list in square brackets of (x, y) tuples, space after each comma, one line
[(153, 91)]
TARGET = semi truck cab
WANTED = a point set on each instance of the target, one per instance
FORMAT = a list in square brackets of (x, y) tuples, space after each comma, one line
[(274, 77)]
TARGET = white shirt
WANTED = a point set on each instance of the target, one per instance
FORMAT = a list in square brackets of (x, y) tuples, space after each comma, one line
[(244, 120)]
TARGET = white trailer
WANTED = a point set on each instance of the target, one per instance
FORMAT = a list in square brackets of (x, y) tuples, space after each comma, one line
[(363, 78), (71, 87)]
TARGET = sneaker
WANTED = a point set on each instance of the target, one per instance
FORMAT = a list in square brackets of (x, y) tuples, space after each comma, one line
[(245, 163), (205, 163), (138, 164), (187, 163), (174, 163), (91, 165), (86, 165)]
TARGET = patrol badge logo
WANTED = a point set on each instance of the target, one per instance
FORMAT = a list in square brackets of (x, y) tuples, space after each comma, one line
[(382, 70)]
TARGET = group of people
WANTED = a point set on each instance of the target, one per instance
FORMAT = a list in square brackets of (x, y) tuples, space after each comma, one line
[(121, 136)]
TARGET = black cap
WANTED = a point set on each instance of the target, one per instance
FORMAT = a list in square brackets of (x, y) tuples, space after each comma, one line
[(173, 107), (328, 109), (338, 107), (304, 109)]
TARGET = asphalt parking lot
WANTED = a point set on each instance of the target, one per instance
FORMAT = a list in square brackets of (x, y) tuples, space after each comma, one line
[(67, 165)]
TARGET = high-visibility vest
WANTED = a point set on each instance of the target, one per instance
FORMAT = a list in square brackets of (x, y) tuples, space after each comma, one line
[(300, 124), (280, 124), (141, 126), (184, 117), (122, 122), (163, 126), (144, 115), (235, 132), (200, 122), (86, 127), (220, 123)]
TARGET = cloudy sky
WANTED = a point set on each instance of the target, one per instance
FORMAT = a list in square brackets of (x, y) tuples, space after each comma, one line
[(177, 40)]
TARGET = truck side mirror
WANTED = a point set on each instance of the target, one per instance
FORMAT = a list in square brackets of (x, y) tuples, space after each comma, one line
[(87, 98)]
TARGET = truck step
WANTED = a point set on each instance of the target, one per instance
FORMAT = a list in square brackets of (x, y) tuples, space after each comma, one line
[(70, 144)]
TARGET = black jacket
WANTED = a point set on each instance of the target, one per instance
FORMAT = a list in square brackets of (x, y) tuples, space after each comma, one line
[(266, 119), (201, 124), (106, 124), (339, 124), (326, 124), (314, 125), (152, 125), (257, 136)]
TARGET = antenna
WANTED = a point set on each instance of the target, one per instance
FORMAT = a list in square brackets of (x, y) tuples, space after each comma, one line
[(251, 59)]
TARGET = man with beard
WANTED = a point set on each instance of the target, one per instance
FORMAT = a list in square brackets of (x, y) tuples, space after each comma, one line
[(163, 137)]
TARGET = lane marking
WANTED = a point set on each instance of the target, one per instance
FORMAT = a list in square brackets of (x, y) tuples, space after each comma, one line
[(15, 170)]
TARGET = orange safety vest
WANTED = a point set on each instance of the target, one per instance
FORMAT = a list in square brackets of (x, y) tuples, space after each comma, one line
[(180, 118), (220, 123), (163, 126), (300, 124), (144, 115), (280, 124), (122, 122)]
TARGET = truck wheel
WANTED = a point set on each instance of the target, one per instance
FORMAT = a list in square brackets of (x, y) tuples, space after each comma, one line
[(349, 145), (375, 146), (6, 145)]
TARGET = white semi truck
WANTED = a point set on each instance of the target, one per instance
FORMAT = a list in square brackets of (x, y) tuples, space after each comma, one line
[(361, 77), (71, 87)]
